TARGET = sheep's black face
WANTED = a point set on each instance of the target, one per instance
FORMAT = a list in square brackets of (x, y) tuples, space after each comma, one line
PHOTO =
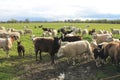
[(19, 42), (99, 56), (56, 40), (96, 52)]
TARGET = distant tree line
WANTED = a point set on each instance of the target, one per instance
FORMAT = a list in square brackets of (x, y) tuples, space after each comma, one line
[(94, 21), (16, 21), (66, 21)]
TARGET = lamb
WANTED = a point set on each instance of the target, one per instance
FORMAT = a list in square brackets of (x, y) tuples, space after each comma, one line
[(20, 49), (73, 49)]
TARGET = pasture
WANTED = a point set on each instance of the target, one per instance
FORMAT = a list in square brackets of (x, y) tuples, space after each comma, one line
[(26, 68)]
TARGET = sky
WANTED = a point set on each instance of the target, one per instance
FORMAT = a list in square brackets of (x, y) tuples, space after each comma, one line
[(52, 10)]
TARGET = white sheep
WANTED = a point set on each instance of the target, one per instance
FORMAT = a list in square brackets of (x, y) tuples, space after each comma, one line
[(84, 32), (6, 44), (2, 28), (74, 49), (102, 38), (115, 31), (28, 31), (47, 34)]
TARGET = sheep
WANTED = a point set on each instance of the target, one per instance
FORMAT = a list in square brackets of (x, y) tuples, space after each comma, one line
[(113, 50), (84, 32), (6, 44), (115, 31), (47, 34), (54, 32), (91, 31), (71, 38), (2, 28), (19, 31), (14, 34), (73, 49), (64, 31), (47, 29), (28, 31), (20, 49), (46, 45), (102, 38), (98, 53)]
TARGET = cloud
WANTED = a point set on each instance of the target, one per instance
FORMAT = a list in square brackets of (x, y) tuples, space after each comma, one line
[(59, 9)]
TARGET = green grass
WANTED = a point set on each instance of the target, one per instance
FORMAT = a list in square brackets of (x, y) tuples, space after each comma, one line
[(8, 65)]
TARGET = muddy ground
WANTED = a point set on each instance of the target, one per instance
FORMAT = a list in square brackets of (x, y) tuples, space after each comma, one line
[(45, 71)]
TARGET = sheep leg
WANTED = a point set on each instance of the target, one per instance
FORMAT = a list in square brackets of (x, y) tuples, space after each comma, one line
[(23, 53), (117, 63), (40, 55), (36, 53), (52, 58)]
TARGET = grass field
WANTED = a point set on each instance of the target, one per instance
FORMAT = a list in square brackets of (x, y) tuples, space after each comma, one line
[(9, 67)]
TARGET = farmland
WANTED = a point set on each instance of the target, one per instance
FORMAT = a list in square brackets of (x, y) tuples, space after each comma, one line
[(26, 68)]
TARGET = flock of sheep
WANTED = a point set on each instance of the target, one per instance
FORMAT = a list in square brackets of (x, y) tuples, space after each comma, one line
[(67, 41)]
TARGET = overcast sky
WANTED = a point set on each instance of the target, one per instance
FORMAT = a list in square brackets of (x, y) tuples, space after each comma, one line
[(59, 9)]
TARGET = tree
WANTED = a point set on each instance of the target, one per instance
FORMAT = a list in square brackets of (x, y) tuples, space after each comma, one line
[(27, 21)]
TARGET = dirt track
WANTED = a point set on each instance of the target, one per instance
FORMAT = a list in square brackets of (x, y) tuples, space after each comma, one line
[(46, 71)]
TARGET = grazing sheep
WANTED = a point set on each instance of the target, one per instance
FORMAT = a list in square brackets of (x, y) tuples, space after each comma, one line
[(19, 31), (64, 31), (91, 31), (115, 31), (73, 49), (47, 34), (102, 38), (40, 26), (98, 53), (84, 32), (2, 28), (15, 34), (46, 45), (28, 31), (20, 49), (113, 50), (71, 38)]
